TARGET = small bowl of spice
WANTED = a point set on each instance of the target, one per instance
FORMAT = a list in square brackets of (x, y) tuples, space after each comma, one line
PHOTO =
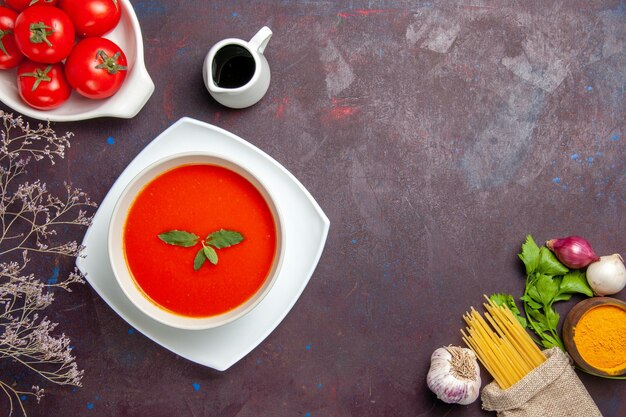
[(594, 333)]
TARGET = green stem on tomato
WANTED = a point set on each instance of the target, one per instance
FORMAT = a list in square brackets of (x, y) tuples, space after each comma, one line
[(109, 63), (2, 47), (39, 33)]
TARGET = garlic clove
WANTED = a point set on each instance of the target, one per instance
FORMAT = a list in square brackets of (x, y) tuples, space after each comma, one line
[(454, 375)]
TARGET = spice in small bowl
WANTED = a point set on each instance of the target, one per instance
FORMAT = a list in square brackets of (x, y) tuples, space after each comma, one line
[(594, 333)]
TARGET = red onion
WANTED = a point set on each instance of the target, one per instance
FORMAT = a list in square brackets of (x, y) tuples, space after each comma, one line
[(573, 251)]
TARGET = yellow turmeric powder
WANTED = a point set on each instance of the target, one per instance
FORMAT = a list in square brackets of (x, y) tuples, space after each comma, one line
[(600, 337)]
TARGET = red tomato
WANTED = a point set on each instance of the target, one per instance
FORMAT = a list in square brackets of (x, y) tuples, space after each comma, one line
[(10, 55), (44, 34), (20, 5), (96, 68), (42, 86), (92, 17)]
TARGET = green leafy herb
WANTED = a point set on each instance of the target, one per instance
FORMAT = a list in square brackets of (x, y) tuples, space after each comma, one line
[(549, 264), (509, 301), (576, 282), (547, 281), (530, 255), (210, 254), (216, 240), (199, 260), (179, 238), (224, 238)]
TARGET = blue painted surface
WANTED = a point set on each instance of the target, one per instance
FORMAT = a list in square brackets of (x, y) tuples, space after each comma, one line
[(196, 386), (556, 180), (54, 278), (149, 9), (111, 140), (90, 406)]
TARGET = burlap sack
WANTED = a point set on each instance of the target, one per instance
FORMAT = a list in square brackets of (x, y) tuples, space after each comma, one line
[(551, 390)]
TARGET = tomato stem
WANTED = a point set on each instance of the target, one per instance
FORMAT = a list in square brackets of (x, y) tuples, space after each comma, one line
[(40, 32), (109, 63), (40, 75), (2, 47)]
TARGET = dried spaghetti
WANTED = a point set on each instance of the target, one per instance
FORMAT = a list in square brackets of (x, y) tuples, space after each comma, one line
[(501, 344)]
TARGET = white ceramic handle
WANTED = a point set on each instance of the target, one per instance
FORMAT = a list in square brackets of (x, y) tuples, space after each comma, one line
[(142, 89), (260, 40)]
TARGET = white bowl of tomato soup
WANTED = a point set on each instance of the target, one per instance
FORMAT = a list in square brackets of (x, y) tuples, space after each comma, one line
[(196, 241)]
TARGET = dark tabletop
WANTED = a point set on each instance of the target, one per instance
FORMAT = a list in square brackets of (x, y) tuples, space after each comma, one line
[(434, 135)]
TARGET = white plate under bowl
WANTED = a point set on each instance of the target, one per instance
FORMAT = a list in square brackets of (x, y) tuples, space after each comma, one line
[(306, 228), (126, 103)]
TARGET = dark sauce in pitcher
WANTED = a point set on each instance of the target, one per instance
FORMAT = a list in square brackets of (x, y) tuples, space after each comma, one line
[(233, 67)]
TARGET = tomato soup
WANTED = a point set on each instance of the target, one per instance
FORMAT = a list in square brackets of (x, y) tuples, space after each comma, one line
[(199, 199)]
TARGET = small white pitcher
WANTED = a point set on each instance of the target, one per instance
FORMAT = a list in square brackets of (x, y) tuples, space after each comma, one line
[(236, 73)]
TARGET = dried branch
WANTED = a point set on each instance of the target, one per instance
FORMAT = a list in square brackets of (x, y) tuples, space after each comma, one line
[(31, 219)]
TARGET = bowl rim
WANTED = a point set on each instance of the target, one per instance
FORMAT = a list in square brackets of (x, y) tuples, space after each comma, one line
[(571, 320), (122, 274)]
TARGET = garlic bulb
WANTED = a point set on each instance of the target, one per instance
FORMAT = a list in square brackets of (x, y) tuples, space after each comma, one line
[(454, 375)]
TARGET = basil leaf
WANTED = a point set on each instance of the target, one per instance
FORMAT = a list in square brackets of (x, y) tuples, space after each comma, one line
[(220, 239), (224, 238), (199, 260), (210, 254), (530, 255), (549, 264), (575, 282), (179, 238)]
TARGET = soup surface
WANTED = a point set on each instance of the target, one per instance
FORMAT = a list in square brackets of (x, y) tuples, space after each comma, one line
[(199, 199)]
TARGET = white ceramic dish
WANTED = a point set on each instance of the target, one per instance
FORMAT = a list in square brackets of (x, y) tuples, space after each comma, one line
[(306, 228), (116, 238), (126, 103)]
